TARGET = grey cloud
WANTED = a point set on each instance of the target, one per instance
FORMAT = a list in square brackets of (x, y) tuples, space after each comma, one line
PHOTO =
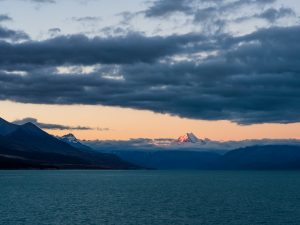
[(126, 18), (132, 145), (13, 35), (252, 78), (271, 15), (214, 13), (274, 14), (43, 1), (55, 30), (144, 144), (214, 16), (87, 19), (4, 17), (37, 1), (206, 7), (103, 129), (167, 7), (49, 126), (115, 31), (78, 49)]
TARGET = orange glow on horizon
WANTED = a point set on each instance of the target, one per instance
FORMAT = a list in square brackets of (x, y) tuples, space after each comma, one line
[(126, 123)]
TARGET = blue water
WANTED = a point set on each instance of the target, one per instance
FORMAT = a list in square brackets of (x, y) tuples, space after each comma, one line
[(149, 197)]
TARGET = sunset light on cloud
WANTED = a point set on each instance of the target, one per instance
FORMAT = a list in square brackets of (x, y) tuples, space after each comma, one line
[(125, 124)]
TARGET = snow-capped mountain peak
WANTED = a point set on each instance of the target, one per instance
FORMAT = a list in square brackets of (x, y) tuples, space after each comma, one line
[(73, 141), (70, 138), (189, 138)]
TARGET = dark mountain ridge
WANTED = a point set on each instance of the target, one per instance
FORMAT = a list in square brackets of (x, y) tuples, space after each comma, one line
[(6, 127), (262, 157), (29, 146)]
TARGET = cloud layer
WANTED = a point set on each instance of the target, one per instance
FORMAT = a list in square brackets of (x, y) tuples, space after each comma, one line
[(13, 35), (49, 126), (4, 17), (246, 78)]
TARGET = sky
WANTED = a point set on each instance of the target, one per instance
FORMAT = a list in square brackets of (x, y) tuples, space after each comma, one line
[(117, 70)]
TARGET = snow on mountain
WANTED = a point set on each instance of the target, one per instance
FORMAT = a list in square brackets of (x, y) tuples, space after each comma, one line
[(70, 138), (73, 141), (188, 142), (189, 138)]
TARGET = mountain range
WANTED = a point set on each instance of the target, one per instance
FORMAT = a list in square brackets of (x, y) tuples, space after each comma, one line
[(190, 152), (266, 157), (28, 147)]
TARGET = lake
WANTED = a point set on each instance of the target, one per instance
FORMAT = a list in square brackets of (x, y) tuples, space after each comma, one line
[(149, 197)]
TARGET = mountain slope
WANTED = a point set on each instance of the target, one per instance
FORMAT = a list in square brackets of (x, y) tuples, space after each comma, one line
[(73, 141), (28, 144), (32, 138), (262, 157), (6, 127), (189, 138)]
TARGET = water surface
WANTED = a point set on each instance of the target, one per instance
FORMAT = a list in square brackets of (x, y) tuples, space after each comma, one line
[(149, 197)]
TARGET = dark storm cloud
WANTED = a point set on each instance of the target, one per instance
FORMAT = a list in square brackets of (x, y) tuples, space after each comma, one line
[(13, 35), (78, 49), (4, 17), (49, 126), (248, 79)]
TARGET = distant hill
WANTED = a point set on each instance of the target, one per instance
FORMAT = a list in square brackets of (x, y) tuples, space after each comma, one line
[(264, 157), (27, 146), (73, 141), (6, 127)]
